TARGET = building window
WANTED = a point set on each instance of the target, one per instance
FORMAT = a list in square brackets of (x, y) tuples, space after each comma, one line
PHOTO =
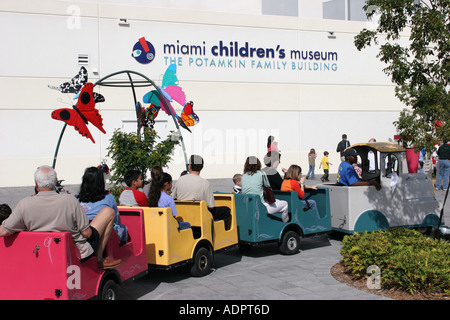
[(280, 7), (344, 10)]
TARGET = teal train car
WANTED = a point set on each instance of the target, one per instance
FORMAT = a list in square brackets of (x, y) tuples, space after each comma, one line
[(256, 226)]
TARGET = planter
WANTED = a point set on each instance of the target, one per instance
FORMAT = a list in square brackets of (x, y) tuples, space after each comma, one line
[(412, 159)]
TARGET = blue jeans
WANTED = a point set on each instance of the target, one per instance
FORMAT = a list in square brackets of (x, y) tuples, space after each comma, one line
[(183, 225), (312, 204), (311, 171), (444, 172)]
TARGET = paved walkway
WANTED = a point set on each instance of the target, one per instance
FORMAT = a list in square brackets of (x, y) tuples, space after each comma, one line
[(256, 274), (260, 273)]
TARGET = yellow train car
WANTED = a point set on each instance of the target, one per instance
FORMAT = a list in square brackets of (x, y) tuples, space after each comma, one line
[(168, 247)]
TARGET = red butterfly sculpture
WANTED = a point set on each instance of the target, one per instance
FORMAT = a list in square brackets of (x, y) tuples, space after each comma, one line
[(82, 113)]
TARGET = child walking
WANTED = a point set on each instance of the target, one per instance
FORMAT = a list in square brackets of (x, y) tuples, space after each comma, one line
[(312, 163), (326, 166)]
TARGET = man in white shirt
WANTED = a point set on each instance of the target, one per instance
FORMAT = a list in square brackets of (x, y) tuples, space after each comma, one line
[(193, 187)]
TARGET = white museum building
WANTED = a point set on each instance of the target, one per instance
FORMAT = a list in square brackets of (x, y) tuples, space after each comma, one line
[(253, 68)]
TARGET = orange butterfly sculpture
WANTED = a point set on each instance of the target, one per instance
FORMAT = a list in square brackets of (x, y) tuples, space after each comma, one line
[(82, 113)]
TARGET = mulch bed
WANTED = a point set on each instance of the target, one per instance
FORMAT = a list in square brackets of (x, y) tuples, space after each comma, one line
[(338, 272)]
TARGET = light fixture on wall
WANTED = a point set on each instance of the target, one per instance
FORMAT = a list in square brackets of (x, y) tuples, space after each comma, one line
[(124, 22), (331, 35)]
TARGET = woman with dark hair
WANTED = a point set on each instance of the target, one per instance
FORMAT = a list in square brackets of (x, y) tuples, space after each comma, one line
[(252, 182), (93, 197), (158, 196), (272, 160), (154, 172)]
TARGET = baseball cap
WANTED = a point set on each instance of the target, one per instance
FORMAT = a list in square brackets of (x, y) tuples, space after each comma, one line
[(350, 152)]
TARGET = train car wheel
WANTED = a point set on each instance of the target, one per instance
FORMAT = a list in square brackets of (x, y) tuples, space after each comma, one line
[(290, 243), (202, 262), (109, 291)]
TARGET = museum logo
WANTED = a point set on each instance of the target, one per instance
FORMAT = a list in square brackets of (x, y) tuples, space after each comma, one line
[(143, 51)]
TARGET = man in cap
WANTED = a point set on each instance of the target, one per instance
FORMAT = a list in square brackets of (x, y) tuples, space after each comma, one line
[(347, 175)]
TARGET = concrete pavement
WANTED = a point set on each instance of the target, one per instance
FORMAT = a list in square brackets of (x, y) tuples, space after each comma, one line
[(260, 273)]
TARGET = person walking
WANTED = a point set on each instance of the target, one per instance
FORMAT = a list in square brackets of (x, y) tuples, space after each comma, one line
[(444, 166)]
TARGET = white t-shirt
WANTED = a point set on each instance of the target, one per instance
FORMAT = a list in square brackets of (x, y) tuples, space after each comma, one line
[(193, 187)]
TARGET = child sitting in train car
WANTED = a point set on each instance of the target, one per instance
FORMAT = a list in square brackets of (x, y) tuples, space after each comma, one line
[(293, 181), (237, 183), (158, 196), (5, 212), (131, 196)]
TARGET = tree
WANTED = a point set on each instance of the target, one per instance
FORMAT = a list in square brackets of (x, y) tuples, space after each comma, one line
[(420, 68), (133, 151)]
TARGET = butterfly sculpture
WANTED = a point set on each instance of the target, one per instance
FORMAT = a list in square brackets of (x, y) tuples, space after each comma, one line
[(188, 116), (140, 116), (146, 116), (171, 92), (82, 113), (75, 85)]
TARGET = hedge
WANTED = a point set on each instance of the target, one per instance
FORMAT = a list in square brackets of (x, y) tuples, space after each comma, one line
[(407, 259)]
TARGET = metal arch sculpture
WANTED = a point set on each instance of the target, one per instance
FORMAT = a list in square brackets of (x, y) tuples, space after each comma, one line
[(131, 83)]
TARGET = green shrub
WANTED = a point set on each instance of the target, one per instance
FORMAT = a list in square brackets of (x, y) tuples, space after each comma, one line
[(406, 258), (133, 151), (116, 191)]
